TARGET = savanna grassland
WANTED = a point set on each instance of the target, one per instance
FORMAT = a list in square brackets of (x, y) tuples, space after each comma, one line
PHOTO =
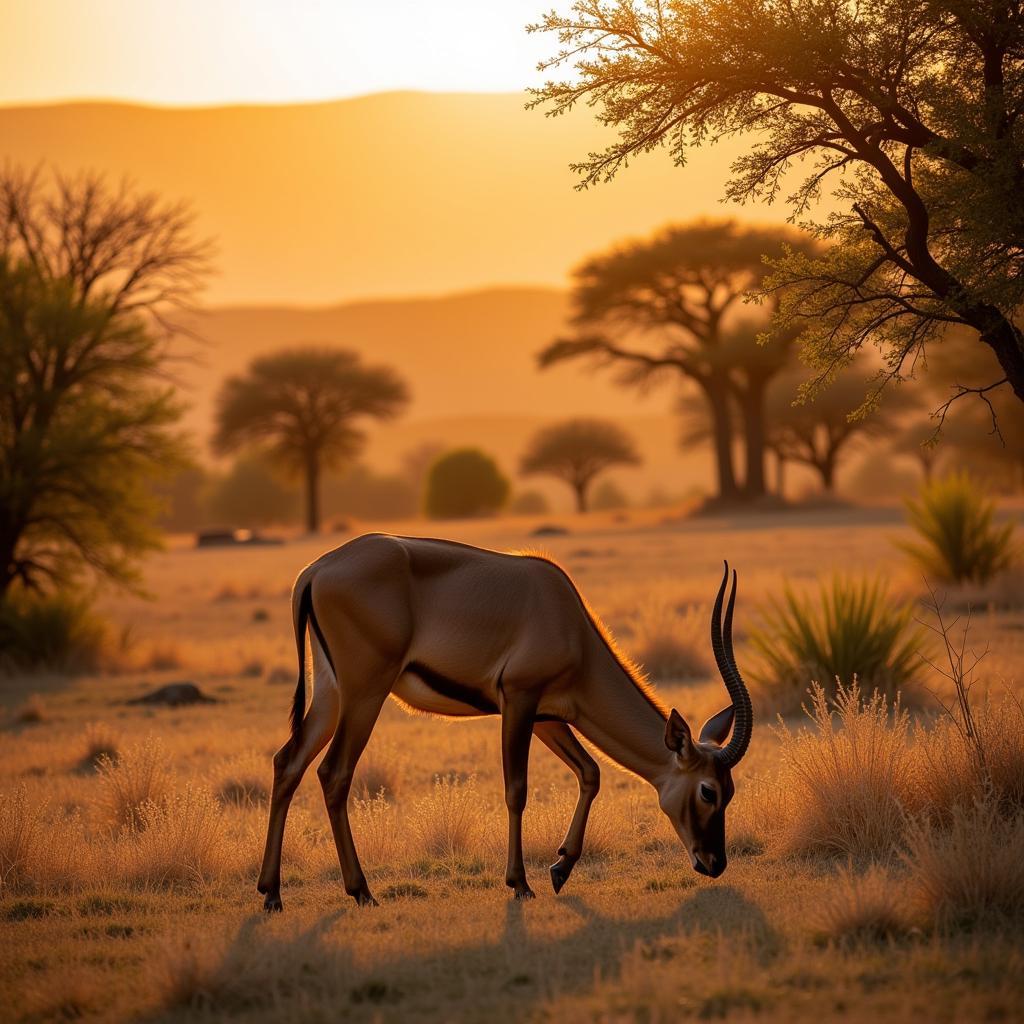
[(131, 835)]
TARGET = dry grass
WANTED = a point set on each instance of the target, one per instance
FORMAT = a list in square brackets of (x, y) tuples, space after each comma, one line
[(179, 840), (669, 638), (141, 776), (636, 934), (863, 907), (970, 870), (32, 711), (244, 781), (847, 781), (100, 744), (381, 770), (446, 822)]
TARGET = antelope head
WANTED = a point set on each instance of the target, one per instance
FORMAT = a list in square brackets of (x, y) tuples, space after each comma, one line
[(698, 787)]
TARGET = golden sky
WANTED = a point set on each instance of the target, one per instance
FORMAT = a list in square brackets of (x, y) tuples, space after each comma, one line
[(256, 51)]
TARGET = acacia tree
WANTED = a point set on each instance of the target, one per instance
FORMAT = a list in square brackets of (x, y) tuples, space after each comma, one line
[(578, 451), (657, 308), (302, 406), (909, 111), (89, 278)]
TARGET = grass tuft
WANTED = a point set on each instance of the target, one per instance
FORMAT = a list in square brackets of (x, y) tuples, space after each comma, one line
[(142, 775), (846, 780), (669, 641), (866, 907), (959, 542), (54, 632), (447, 822), (850, 628), (970, 870)]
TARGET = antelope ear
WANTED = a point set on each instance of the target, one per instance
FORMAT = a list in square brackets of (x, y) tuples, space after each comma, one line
[(677, 733), (717, 728)]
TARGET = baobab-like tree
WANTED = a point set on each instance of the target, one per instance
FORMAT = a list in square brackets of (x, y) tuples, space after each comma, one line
[(908, 112), (577, 452), (659, 308), (304, 406)]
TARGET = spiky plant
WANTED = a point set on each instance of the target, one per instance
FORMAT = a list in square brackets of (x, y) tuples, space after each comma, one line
[(959, 541), (849, 629)]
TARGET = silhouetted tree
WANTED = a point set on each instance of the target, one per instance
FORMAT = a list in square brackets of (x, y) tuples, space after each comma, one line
[(89, 276), (819, 430), (672, 293), (910, 110), (918, 439), (465, 482), (302, 406), (578, 451)]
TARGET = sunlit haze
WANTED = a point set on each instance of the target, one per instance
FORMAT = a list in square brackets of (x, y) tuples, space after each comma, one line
[(259, 51)]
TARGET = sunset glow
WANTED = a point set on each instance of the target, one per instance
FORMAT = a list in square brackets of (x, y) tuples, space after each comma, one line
[(201, 52)]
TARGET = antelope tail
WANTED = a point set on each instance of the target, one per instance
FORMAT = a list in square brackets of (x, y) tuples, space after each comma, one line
[(302, 609)]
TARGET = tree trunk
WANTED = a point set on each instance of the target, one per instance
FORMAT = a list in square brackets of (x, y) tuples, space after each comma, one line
[(716, 391), (1007, 342), (827, 468), (580, 490), (751, 400), (312, 493)]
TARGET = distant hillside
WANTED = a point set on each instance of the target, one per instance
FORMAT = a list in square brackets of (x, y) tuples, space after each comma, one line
[(391, 194), (470, 360)]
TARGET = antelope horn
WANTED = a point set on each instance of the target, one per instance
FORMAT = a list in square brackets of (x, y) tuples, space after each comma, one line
[(744, 721)]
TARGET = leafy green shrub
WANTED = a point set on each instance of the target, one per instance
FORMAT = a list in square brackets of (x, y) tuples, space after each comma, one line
[(58, 632), (848, 629), (960, 543), (465, 482)]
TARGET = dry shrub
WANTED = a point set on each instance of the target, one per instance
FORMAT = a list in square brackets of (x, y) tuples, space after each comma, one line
[(58, 632), (668, 640), (447, 822), (242, 781), (971, 870), (375, 824), (863, 907), (956, 769), (142, 775), (101, 743), (32, 711), (845, 783), (179, 840), (381, 769)]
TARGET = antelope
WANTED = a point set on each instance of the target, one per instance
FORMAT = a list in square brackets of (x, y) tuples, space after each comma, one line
[(460, 631)]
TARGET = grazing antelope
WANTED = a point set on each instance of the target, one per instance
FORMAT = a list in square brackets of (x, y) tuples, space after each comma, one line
[(460, 631)]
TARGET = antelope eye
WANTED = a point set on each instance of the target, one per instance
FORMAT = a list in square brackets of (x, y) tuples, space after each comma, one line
[(707, 793)]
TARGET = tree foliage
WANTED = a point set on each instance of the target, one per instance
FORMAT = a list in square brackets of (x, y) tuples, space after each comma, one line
[(578, 451), (303, 405), (463, 483), (89, 276), (907, 111)]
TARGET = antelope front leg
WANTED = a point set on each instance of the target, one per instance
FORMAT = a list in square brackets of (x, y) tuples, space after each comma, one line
[(562, 741), (516, 730)]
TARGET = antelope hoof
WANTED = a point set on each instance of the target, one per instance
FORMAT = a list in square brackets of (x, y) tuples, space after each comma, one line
[(525, 893), (560, 872), (272, 903), (364, 898)]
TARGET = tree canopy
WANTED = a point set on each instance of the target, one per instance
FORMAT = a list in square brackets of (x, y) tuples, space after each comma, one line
[(464, 482), (89, 277), (578, 451), (907, 111), (303, 405)]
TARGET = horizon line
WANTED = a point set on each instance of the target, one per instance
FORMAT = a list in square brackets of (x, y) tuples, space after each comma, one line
[(121, 101)]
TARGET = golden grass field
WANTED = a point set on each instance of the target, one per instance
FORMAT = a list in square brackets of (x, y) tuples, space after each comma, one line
[(159, 919)]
